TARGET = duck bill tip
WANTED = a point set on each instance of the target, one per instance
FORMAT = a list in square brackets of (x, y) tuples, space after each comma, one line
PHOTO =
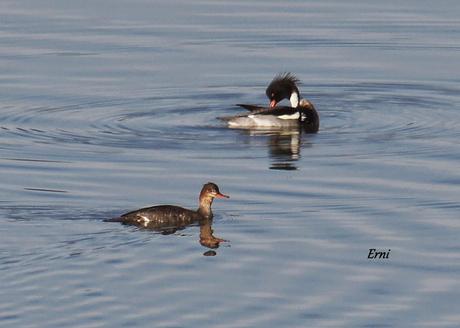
[(219, 195), (272, 103)]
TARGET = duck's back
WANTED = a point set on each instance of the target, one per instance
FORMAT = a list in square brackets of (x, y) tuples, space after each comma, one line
[(162, 216)]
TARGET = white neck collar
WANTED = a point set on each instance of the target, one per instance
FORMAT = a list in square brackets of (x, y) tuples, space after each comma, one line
[(294, 99)]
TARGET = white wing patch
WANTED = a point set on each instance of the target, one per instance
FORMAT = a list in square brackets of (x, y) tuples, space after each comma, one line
[(143, 220), (290, 117)]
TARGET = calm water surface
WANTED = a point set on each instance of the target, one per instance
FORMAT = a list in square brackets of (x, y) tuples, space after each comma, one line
[(108, 106)]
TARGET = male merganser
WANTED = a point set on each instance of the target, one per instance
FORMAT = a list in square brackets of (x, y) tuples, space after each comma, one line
[(170, 217), (301, 111)]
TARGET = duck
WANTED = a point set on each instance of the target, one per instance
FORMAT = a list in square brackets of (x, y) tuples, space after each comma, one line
[(301, 112), (172, 217)]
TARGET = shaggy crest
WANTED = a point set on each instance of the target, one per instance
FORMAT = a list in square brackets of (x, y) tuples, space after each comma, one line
[(286, 77)]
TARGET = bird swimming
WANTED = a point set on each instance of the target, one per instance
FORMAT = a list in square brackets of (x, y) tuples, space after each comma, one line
[(301, 112), (163, 217)]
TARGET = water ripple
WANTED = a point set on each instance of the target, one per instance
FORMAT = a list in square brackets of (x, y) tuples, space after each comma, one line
[(104, 111), (362, 112)]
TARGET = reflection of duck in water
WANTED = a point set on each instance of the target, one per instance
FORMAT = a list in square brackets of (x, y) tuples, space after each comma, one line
[(169, 218), (301, 112), (284, 144)]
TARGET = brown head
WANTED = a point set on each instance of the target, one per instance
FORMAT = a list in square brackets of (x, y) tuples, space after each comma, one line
[(207, 195), (211, 190)]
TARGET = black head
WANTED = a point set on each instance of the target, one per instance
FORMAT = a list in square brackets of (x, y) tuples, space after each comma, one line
[(281, 87), (211, 190)]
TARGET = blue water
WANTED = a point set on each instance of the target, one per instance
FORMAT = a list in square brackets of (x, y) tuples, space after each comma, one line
[(108, 106)]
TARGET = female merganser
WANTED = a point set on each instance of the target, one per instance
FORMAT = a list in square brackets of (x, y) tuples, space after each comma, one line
[(301, 112), (170, 217)]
